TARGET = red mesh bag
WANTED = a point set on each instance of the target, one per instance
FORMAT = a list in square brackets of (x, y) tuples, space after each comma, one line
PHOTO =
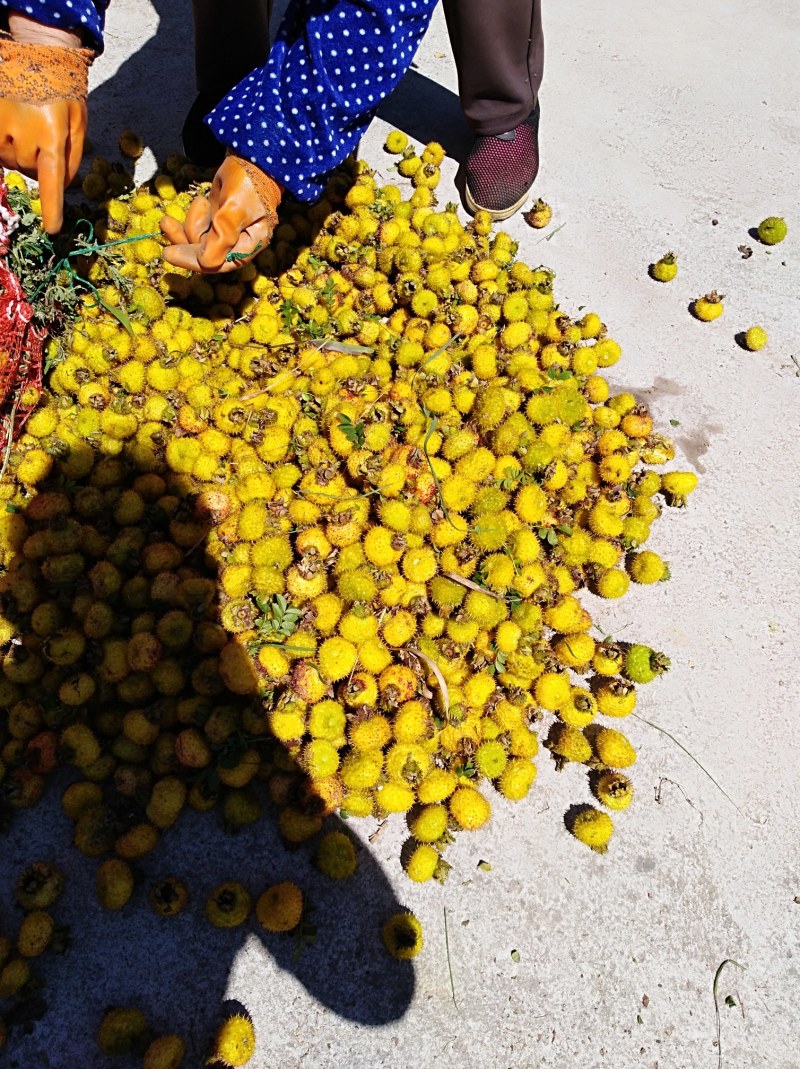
[(21, 341)]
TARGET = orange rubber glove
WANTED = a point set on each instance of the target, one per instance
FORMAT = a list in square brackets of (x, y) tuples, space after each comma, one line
[(43, 112), (228, 227)]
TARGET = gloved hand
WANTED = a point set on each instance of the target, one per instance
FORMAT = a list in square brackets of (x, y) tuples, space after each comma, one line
[(43, 112), (228, 227)]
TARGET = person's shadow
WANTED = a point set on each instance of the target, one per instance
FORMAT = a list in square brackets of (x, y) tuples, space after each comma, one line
[(177, 969), (151, 91)]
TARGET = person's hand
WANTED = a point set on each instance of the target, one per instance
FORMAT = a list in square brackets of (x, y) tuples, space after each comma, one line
[(43, 113), (228, 227)]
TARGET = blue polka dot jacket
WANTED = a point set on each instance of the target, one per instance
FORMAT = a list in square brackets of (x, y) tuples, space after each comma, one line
[(303, 112)]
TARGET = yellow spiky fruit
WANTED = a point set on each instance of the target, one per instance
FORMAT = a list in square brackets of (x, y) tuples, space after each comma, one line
[(234, 1042)]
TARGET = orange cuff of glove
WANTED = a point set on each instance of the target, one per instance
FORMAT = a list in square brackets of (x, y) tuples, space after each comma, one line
[(36, 74), (269, 191)]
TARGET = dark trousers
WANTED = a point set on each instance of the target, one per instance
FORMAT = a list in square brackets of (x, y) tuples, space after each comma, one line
[(231, 39), (498, 47), (499, 52)]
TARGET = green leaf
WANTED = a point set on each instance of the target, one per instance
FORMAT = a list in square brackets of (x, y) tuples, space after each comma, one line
[(118, 313), (559, 374), (11, 507), (514, 600), (288, 313), (674, 423), (354, 432)]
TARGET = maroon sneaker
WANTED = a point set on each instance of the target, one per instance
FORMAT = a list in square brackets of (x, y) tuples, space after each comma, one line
[(501, 169)]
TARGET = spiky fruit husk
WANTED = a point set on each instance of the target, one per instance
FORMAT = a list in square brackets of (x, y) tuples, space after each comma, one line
[(234, 1043), (593, 828), (280, 907), (772, 230), (165, 1052), (123, 1030), (643, 664), (665, 269), (402, 936), (613, 789)]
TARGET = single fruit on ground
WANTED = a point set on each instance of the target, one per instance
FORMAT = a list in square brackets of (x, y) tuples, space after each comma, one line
[(235, 1042), (402, 936), (123, 1030), (709, 307), (643, 664), (613, 789), (539, 214), (772, 230), (165, 1052), (665, 269), (593, 827), (755, 338), (280, 907)]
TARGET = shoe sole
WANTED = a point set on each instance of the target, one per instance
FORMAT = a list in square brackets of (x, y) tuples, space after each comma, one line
[(496, 215)]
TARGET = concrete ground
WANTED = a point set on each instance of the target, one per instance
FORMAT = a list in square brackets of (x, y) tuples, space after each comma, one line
[(672, 126)]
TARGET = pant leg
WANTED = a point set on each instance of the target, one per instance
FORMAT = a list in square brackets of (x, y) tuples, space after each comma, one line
[(231, 37), (499, 52)]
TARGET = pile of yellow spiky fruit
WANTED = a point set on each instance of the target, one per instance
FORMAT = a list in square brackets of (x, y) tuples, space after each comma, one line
[(323, 524)]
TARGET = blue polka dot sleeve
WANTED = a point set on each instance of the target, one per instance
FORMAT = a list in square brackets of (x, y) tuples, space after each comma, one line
[(85, 15), (331, 65)]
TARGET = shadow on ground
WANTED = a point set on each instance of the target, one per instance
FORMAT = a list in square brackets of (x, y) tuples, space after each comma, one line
[(427, 111), (175, 969), (152, 90)]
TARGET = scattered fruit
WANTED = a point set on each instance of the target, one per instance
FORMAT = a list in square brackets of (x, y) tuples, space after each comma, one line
[(316, 531), (772, 230), (539, 214), (709, 307), (402, 936), (755, 338), (665, 269), (234, 1043)]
